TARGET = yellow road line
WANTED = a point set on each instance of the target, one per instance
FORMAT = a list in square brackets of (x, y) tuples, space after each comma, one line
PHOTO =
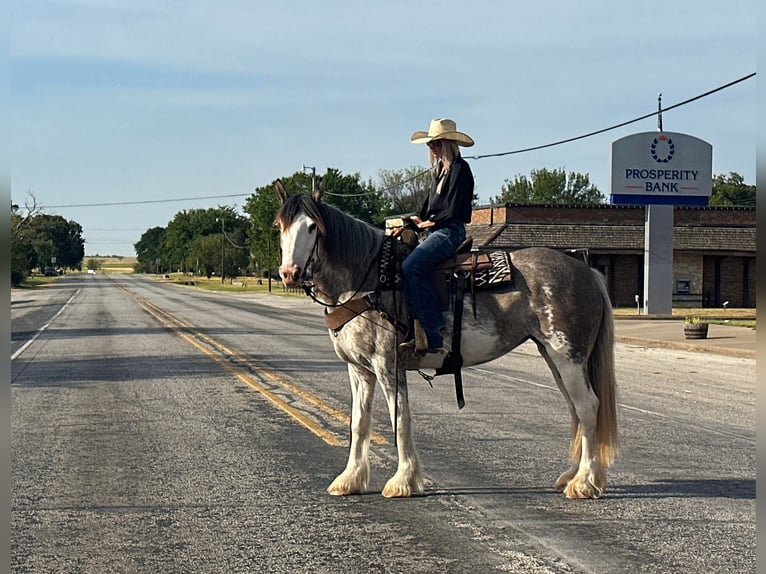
[(177, 325)]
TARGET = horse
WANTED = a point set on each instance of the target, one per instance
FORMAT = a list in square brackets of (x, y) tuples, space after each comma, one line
[(555, 300)]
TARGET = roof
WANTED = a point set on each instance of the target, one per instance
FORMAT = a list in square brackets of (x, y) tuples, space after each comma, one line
[(610, 238)]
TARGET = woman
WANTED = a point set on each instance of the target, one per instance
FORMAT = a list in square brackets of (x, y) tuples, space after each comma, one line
[(443, 218)]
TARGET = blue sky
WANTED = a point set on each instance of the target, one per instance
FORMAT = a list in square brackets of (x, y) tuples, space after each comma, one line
[(140, 100)]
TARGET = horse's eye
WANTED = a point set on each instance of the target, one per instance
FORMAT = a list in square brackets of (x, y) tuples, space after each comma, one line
[(312, 227)]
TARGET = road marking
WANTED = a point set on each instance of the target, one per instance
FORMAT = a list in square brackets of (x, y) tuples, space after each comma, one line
[(620, 405), (224, 356), (39, 332)]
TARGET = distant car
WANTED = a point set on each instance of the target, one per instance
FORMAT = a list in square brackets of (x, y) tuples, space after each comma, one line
[(50, 271), (92, 271)]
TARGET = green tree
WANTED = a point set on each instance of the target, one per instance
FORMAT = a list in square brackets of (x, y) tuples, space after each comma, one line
[(149, 251), (261, 207), (45, 251), (550, 187), (346, 192), (23, 257), (54, 236), (189, 224), (732, 190), (94, 264), (205, 254)]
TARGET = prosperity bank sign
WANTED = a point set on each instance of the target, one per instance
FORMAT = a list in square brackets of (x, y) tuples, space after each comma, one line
[(661, 168)]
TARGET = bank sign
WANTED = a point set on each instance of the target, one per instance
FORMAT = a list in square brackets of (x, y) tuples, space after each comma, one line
[(661, 168)]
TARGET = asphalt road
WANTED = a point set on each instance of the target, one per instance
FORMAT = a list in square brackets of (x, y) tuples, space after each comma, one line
[(159, 429)]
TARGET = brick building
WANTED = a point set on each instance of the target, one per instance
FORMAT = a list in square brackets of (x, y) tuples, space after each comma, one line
[(714, 253)]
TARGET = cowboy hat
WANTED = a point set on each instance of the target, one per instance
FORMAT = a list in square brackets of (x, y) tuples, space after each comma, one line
[(442, 129)]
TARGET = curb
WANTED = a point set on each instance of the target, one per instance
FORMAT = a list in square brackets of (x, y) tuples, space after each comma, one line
[(741, 353)]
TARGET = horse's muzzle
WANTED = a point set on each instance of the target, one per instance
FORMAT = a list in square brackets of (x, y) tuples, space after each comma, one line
[(291, 275)]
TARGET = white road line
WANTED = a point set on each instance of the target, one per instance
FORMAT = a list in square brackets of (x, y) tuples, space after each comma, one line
[(555, 388), (621, 405), (43, 328)]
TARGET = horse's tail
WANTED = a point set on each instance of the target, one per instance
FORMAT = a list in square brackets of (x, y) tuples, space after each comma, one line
[(602, 377)]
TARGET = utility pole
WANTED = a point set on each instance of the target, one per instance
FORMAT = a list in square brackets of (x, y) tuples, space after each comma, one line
[(268, 256), (313, 177), (223, 248)]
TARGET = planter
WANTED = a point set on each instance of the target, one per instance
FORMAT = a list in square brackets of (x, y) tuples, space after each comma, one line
[(695, 330)]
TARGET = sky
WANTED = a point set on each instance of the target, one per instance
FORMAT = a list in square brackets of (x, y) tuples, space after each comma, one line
[(119, 101)]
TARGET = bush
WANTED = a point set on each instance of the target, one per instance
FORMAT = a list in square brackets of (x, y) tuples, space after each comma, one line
[(17, 277)]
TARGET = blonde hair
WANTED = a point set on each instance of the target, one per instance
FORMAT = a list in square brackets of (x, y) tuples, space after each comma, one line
[(450, 150)]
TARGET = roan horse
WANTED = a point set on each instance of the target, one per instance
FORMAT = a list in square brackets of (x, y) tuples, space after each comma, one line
[(555, 300)]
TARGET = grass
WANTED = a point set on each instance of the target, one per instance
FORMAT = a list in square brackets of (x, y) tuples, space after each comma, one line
[(716, 316), (117, 267), (734, 322), (36, 281), (235, 285)]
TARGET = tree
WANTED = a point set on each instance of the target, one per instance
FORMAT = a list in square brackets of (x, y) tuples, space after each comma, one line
[(188, 225), (148, 250), (346, 192), (404, 190), (23, 257), (94, 264), (54, 236), (205, 254), (262, 206), (550, 187), (732, 190)]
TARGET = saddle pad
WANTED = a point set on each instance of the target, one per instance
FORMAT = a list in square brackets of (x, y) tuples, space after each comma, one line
[(500, 270), (484, 268)]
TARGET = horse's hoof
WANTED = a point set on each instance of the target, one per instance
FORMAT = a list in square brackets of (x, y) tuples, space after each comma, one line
[(343, 486), (564, 479), (335, 491), (396, 488), (582, 489), (398, 492)]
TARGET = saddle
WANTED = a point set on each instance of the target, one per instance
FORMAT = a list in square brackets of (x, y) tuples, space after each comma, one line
[(483, 269), (467, 270)]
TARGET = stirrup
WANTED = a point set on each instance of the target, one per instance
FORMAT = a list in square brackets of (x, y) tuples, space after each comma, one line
[(421, 339)]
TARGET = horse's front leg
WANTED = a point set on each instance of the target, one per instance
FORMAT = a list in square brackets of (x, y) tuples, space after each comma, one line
[(356, 477), (408, 480)]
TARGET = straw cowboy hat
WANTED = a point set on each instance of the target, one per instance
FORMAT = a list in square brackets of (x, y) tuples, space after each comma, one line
[(442, 129)]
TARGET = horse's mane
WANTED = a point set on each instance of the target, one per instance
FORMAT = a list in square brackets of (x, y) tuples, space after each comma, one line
[(344, 237)]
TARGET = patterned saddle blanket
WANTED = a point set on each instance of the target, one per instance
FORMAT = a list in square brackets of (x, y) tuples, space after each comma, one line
[(483, 268)]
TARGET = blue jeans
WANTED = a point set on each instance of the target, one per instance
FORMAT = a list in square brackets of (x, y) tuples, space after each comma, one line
[(418, 268)]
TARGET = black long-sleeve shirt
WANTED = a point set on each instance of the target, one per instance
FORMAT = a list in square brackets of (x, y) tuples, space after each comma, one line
[(455, 198)]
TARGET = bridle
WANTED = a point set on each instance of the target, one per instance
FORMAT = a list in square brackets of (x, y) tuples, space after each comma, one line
[(309, 287)]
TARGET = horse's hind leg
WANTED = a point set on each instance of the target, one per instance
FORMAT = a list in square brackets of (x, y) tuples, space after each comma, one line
[(586, 477), (408, 480), (356, 477)]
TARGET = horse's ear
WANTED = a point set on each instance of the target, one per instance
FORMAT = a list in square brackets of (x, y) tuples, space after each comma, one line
[(318, 191), (281, 191)]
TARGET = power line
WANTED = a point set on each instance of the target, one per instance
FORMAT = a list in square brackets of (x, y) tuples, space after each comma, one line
[(146, 201), (690, 100), (568, 140), (500, 154)]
